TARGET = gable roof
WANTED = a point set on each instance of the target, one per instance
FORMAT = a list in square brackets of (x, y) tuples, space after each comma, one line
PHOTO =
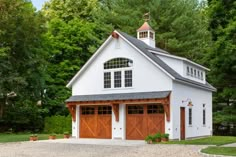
[(144, 48)]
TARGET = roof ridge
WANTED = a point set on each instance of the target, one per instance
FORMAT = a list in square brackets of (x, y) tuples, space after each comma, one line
[(143, 47)]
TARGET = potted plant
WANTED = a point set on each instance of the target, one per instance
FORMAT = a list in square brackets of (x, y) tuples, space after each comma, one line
[(52, 136), (66, 134), (165, 137), (33, 137), (157, 137), (149, 139)]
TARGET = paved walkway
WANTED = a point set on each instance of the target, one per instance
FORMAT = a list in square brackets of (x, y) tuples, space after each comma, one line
[(96, 148), (229, 145)]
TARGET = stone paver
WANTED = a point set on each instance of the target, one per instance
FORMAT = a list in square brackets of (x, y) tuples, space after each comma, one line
[(99, 148)]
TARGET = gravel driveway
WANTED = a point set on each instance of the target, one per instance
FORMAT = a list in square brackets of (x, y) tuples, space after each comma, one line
[(73, 149)]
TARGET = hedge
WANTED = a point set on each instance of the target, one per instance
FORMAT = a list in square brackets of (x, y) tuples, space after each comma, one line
[(57, 124)]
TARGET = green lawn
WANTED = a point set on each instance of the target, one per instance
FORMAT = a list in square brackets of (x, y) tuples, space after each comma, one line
[(231, 151), (214, 140), (23, 137)]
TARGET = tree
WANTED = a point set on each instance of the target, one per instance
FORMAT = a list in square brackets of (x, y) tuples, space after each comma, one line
[(73, 37), (21, 55), (222, 58), (181, 26)]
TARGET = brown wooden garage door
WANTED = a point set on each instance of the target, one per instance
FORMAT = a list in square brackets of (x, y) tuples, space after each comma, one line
[(95, 121), (142, 120)]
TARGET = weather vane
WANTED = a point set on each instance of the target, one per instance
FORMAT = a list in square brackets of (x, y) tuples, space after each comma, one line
[(146, 16)]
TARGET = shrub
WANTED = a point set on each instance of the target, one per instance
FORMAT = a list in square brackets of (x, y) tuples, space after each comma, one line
[(157, 136), (165, 135), (149, 138), (57, 124)]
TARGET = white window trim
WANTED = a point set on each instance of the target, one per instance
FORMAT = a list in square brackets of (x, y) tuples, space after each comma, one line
[(122, 78)]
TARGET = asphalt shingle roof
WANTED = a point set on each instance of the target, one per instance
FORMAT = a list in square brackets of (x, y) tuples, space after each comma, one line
[(144, 48), (119, 96)]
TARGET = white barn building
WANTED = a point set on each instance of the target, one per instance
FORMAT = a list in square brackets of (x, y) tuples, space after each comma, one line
[(129, 88)]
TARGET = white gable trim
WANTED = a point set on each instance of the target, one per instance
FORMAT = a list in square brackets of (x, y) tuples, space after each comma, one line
[(180, 58), (99, 50), (145, 55), (89, 61)]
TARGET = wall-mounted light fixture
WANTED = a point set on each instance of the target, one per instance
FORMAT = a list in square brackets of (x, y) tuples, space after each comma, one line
[(189, 102)]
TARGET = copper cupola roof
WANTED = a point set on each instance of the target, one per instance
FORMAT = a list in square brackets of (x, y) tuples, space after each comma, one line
[(145, 27)]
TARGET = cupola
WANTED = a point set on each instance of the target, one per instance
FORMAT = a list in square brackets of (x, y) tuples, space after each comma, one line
[(146, 34)]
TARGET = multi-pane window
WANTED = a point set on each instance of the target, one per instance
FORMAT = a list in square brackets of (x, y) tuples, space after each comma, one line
[(154, 109), (128, 78), (194, 72), (117, 79), (151, 35), (107, 79), (143, 34), (87, 110), (190, 116), (118, 73), (104, 110), (135, 109), (204, 117), (118, 63)]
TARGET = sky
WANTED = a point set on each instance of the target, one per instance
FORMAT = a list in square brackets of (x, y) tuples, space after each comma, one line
[(38, 3)]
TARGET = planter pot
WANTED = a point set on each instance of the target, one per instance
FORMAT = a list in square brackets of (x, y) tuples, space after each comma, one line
[(33, 138), (52, 137), (164, 139), (66, 136), (149, 142), (158, 140)]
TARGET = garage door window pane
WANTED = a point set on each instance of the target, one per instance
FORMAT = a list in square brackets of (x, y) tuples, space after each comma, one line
[(155, 109), (88, 110), (104, 109), (135, 109)]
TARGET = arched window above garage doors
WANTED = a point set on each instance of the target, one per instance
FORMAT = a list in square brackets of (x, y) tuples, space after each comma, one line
[(118, 73)]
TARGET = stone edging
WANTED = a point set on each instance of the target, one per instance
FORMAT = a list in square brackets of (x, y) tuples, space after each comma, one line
[(211, 155)]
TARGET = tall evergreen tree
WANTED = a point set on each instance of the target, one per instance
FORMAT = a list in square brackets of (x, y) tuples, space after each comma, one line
[(222, 58), (180, 25)]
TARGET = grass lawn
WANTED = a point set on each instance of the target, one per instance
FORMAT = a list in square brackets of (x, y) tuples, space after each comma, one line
[(231, 151), (23, 137), (214, 140)]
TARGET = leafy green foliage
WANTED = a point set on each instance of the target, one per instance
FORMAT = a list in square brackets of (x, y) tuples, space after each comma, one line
[(57, 124), (181, 26), (222, 59), (22, 65), (73, 38)]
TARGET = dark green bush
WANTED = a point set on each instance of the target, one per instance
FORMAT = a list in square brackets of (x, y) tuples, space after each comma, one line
[(57, 124)]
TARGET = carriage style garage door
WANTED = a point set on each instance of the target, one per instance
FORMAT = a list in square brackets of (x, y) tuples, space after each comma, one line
[(142, 120), (95, 121)]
